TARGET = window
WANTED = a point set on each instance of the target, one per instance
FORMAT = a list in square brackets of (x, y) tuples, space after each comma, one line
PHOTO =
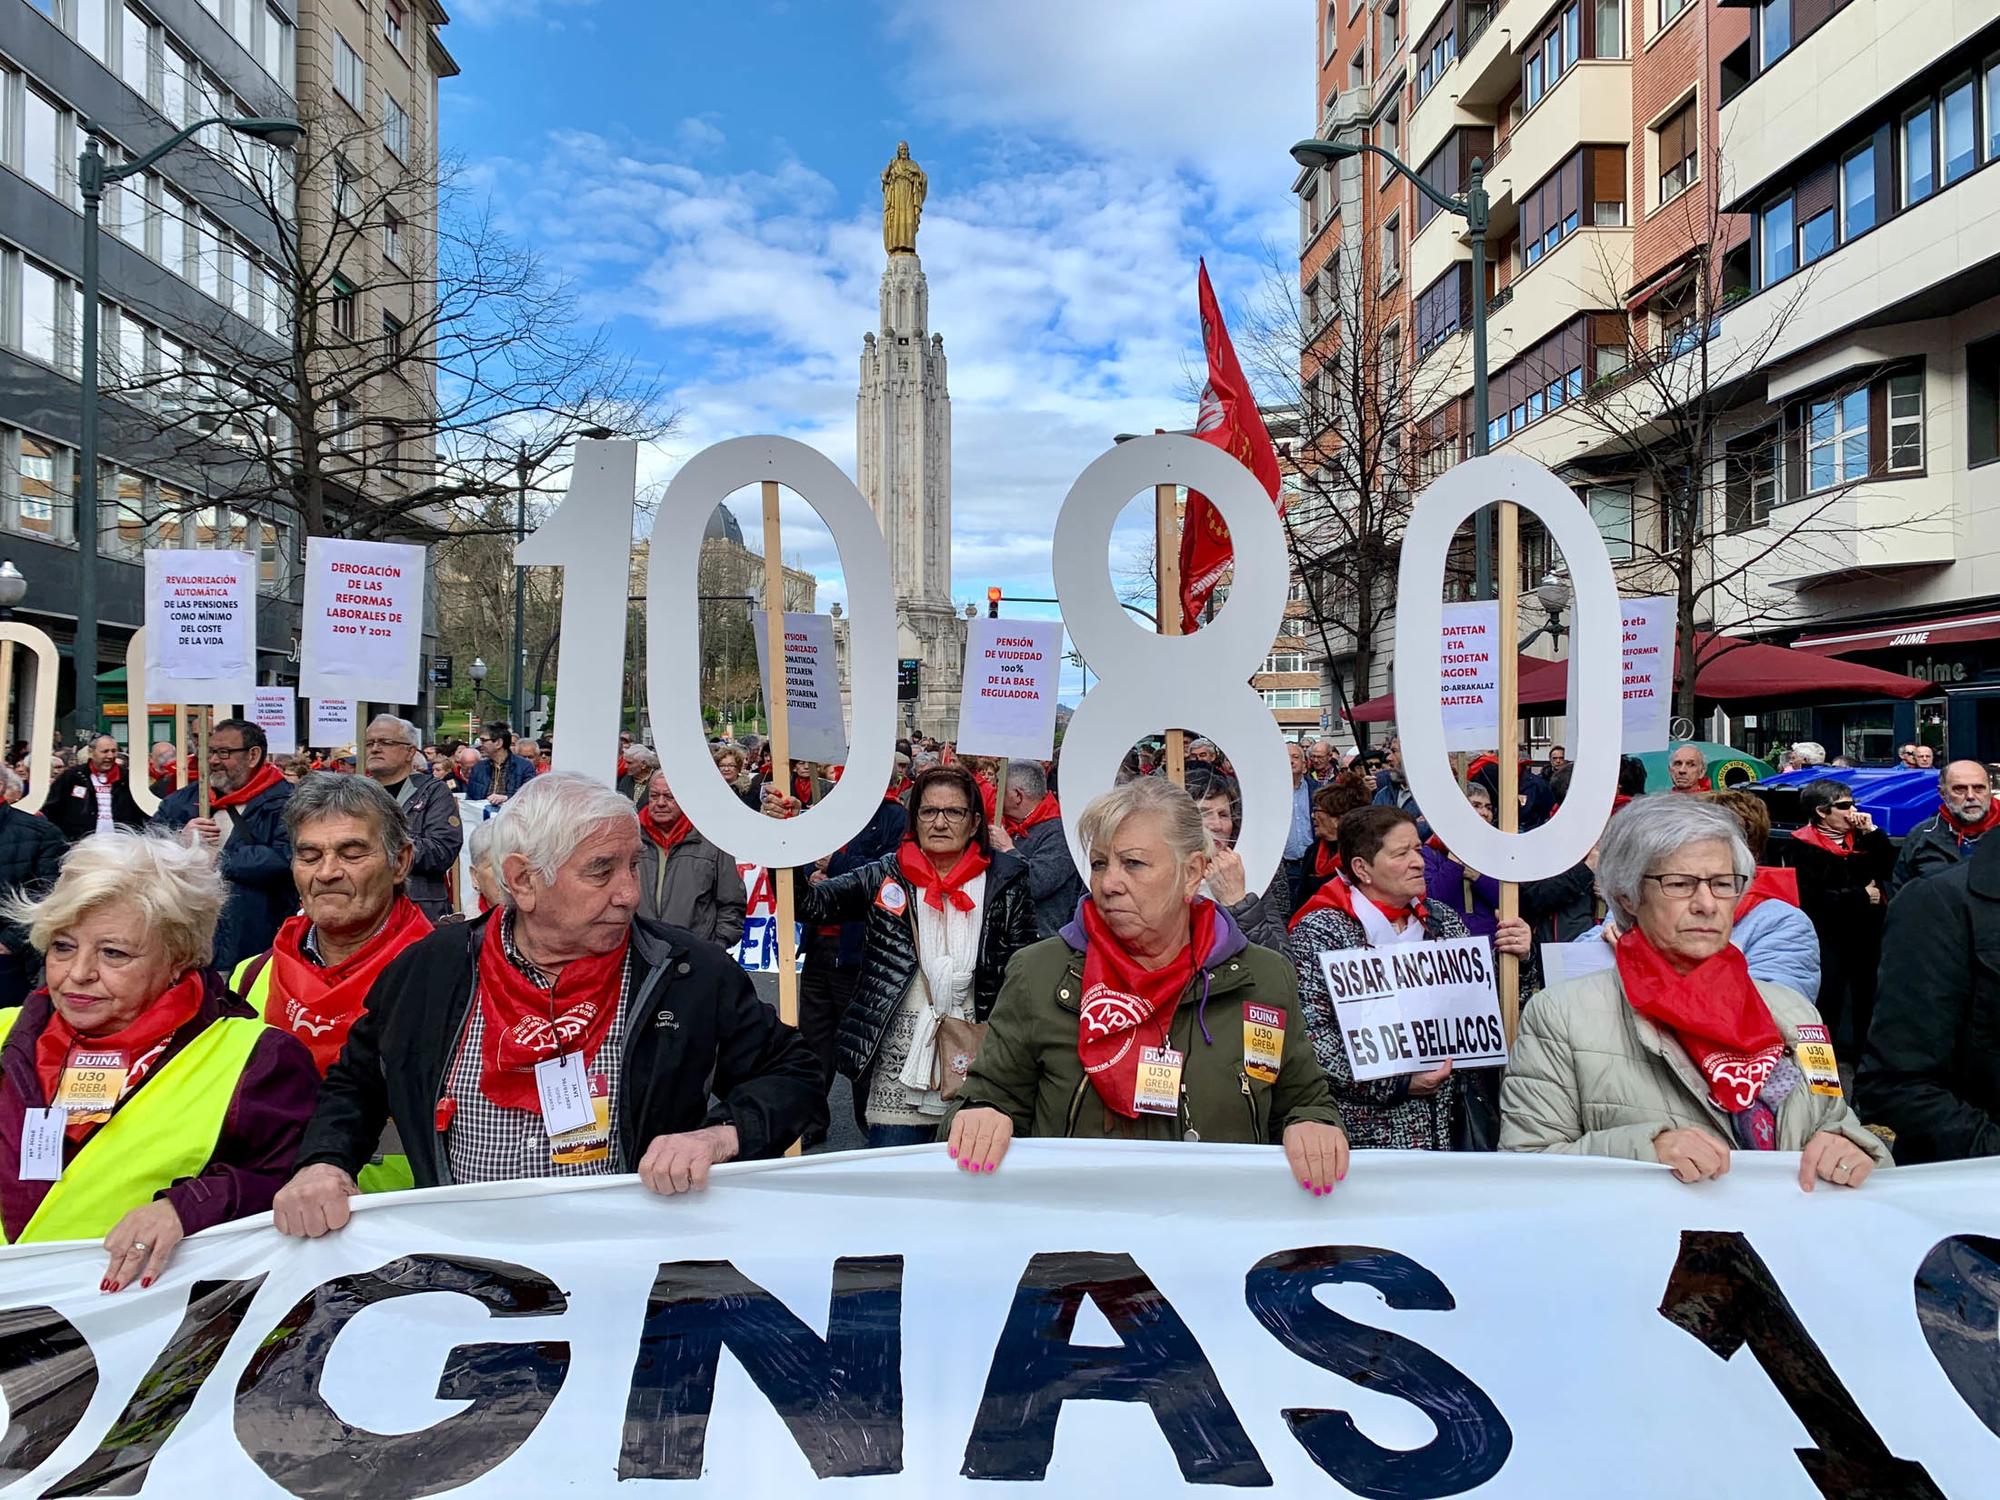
[(175, 212), (132, 354), (1672, 8), (135, 52), (42, 143), (276, 54), (1553, 53), (1906, 422), (1993, 110), (1610, 28), (1836, 440), (392, 235), (1961, 140), (1440, 308), (1982, 403), (1291, 697), (350, 74), (392, 334), (1437, 56), (345, 435), (1774, 31), (174, 71), (91, 31), (1550, 213), (1751, 481), (341, 304), (1817, 236), (208, 257), (1286, 661), (1857, 192), (392, 23), (346, 200), (395, 127), (242, 25), (122, 514), (1392, 251), (1919, 168), (1389, 136), (274, 568), (239, 280), (42, 470), (133, 209), (41, 330), (1675, 140), (1611, 511)]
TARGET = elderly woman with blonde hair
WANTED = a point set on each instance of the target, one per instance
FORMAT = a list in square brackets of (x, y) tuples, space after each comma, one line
[(140, 1100), (1150, 1016)]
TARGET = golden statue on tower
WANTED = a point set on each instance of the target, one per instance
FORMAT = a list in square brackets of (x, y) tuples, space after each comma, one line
[(903, 189)]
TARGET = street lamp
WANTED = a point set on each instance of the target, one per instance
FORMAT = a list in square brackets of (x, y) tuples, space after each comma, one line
[(13, 589), (1473, 208), (94, 175), (1554, 595)]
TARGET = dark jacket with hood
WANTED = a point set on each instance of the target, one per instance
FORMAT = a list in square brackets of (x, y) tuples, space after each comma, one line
[(1029, 1067)]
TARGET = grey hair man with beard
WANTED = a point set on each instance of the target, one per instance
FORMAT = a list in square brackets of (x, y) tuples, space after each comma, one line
[(1965, 812)]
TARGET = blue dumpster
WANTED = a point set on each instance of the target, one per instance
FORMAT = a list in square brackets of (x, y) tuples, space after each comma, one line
[(1896, 797)]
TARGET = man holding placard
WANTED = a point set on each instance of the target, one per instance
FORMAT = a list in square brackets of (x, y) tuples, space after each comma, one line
[(244, 831)]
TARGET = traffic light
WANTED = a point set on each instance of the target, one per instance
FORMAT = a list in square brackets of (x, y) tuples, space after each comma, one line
[(993, 597)]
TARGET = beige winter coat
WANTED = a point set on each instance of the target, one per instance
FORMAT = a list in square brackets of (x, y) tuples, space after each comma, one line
[(1592, 1077)]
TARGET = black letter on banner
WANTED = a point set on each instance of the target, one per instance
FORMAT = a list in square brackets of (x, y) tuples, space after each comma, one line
[(285, 1424), (1958, 1307), (48, 1375), (214, 1312), (841, 1397), (1473, 1439), (1036, 1369), (1722, 1292)]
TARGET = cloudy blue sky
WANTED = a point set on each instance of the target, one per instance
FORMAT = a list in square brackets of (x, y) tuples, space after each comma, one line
[(708, 174)]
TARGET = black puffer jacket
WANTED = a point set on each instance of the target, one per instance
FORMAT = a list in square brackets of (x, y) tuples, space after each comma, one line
[(31, 856), (889, 950)]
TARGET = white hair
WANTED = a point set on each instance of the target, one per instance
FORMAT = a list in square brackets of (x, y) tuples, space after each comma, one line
[(479, 843), (174, 888), (1651, 829), (1029, 776), (638, 755), (11, 785), (405, 730), (1180, 820), (1810, 753), (548, 818)]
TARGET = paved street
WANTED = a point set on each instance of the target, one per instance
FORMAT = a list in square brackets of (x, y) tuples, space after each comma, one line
[(841, 1133)]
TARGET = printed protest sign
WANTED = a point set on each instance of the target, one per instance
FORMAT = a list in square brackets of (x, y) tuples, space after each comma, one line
[(361, 633), (1469, 675), (812, 687), (201, 626), (275, 711), (1646, 670), (1406, 1009), (1009, 702), (332, 723), (757, 950)]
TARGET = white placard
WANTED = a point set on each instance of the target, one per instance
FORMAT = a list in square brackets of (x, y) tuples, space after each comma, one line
[(275, 711), (361, 633), (332, 723), (1009, 702), (201, 626), (1406, 1009), (1469, 675), (812, 687), (1562, 962), (1647, 668), (1505, 1328)]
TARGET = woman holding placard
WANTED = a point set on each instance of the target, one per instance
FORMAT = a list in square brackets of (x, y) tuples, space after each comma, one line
[(1677, 1055), (1377, 900), (1125, 1026), (140, 1100)]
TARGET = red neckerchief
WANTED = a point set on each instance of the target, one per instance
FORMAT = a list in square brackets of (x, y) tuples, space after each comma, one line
[(1769, 884), (669, 838), (1046, 811), (1971, 830), (266, 777), (141, 1041), (319, 1005), (1620, 801), (1118, 995), (936, 887), (1819, 838), (802, 788), (1339, 895), (1703, 785), (1714, 1011), (526, 1024), (1326, 859), (109, 778)]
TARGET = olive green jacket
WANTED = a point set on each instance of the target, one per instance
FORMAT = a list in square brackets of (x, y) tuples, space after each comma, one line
[(1028, 1066)]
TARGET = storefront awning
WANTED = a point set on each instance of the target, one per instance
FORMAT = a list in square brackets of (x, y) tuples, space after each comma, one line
[(1952, 630)]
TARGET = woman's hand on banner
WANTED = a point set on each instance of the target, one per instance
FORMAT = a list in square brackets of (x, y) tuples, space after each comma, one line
[(314, 1202), (1695, 1155), (1832, 1157), (140, 1243), (1317, 1155), (979, 1138)]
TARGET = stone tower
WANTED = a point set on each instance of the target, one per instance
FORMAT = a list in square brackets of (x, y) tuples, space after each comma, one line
[(903, 432)]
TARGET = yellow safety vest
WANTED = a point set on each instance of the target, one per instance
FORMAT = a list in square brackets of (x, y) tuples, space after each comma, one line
[(164, 1133), (385, 1174)]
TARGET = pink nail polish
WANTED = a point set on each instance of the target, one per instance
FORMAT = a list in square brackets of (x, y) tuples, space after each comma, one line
[(1306, 1183), (991, 1165)]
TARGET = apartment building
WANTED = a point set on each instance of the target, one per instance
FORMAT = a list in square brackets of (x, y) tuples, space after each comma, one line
[(192, 281)]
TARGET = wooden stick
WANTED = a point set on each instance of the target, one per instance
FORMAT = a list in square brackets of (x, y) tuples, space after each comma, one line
[(781, 754), (1507, 585), (1167, 553), (7, 689), (180, 746), (201, 728)]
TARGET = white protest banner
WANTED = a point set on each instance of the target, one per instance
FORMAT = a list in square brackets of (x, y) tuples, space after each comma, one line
[(361, 633), (812, 687), (757, 949), (1406, 1009), (1647, 674), (1009, 702), (275, 711), (201, 625), (1126, 1322), (1469, 675), (332, 723)]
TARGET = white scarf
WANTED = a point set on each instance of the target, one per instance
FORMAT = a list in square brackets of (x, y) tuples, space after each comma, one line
[(1381, 932), (947, 956)]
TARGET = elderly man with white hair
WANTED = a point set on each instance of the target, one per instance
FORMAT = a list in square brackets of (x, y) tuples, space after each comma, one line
[(561, 1036), (394, 761)]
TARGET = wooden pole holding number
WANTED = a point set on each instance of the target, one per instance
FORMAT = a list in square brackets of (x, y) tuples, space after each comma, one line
[(6, 690), (1167, 570), (202, 728), (180, 746), (1507, 586), (781, 754)]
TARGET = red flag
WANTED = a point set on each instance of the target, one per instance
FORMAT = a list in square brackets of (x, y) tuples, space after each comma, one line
[(1229, 419)]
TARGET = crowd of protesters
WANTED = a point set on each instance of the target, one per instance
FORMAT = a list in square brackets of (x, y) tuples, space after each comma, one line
[(263, 996)]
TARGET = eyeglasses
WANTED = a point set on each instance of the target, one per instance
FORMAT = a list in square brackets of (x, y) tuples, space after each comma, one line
[(1681, 887), (949, 816), (388, 744), (224, 752)]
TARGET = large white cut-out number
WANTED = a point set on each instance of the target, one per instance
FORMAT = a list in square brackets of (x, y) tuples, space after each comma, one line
[(1150, 682), (1596, 718), (673, 660)]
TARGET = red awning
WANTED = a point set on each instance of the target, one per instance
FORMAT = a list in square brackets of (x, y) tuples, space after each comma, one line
[(1946, 632), (1749, 672)]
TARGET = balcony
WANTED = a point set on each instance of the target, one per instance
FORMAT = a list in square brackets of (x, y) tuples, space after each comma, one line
[(1593, 102), (1859, 57), (1487, 70), (1881, 526)]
